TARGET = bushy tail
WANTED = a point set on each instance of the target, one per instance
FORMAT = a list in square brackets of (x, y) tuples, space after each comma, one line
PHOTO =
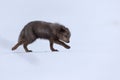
[(20, 40), (17, 45)]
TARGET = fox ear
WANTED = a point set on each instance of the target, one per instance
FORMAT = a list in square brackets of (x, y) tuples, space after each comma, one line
[(61, 30)]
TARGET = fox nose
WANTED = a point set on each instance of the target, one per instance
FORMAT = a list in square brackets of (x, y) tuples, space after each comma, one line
[(68, 41)]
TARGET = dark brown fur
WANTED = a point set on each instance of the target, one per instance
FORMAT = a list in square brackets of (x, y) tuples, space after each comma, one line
[(54, 32)]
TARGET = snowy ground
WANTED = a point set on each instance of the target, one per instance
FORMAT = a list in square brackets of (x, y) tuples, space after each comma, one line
[(95, 40)]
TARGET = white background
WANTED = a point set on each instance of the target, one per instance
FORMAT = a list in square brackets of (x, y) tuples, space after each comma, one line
[(95, 40)]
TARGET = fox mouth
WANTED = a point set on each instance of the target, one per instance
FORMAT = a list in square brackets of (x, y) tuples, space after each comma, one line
[(65, 41)]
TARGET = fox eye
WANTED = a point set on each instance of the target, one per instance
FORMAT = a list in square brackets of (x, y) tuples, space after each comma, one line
[(66, 36)]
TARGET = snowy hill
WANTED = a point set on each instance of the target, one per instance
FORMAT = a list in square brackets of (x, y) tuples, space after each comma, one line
[(95, 40)]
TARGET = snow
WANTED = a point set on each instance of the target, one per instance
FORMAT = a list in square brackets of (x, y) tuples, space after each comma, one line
[(95, 40)]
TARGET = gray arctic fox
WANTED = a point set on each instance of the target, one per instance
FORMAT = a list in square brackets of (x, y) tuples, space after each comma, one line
[(54, 32)]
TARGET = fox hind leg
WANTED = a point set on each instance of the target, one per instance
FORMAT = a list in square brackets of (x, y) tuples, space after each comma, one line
[(25, 47)]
